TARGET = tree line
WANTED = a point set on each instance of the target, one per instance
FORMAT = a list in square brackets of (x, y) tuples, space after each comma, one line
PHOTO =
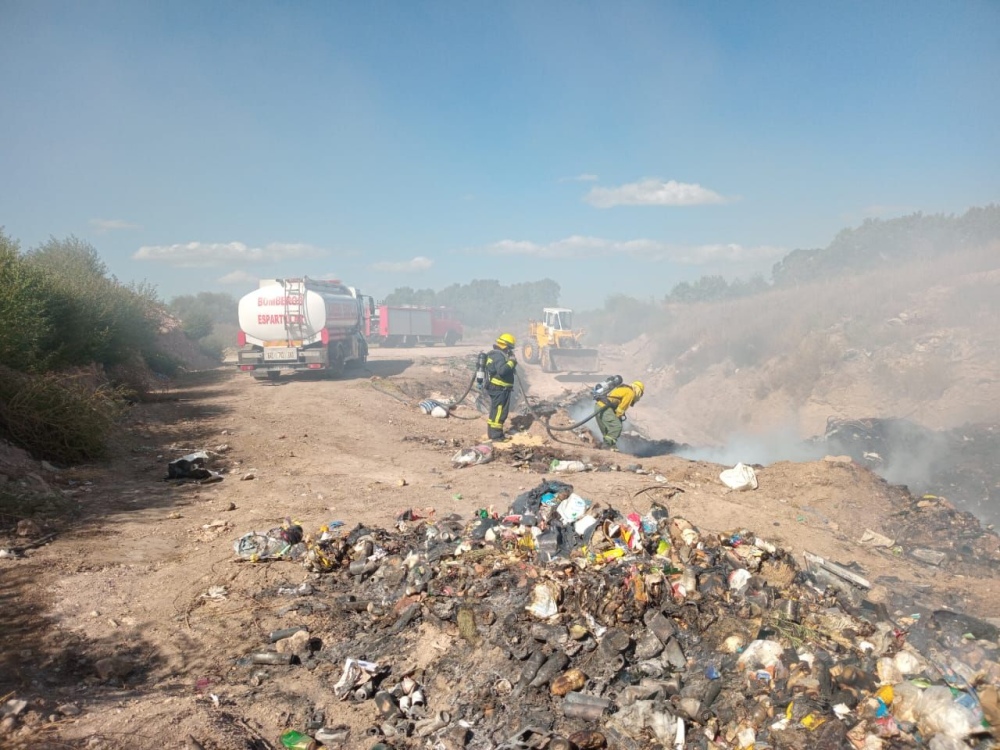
[(485, 303)]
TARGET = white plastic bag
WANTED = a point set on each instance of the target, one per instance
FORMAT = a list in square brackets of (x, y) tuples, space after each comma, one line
[(572, 508), (740, 477)]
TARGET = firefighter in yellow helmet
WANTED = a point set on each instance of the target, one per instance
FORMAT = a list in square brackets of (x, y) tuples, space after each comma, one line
[(611, 411), (499, 383)]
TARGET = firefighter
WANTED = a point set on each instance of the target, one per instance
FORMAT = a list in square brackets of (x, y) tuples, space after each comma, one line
[(611, 411), (499, 383)]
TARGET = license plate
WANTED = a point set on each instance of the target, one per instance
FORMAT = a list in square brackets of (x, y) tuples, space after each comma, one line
[(280, 353)]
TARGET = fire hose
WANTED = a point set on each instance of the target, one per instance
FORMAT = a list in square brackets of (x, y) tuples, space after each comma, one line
[(545, 419)]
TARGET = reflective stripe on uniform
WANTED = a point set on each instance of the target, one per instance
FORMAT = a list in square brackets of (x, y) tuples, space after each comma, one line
[(495, 422), (498, 381)]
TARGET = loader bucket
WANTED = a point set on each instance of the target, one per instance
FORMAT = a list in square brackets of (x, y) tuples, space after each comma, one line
[(574, 360)]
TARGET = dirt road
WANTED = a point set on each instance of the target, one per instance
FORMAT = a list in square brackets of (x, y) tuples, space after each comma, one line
[(122, 615)]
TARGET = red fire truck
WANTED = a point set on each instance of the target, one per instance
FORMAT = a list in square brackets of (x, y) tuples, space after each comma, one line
[(408, 325)]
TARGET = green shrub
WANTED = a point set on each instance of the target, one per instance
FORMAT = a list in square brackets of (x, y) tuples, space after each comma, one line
[(162, 363), (25, 328), (59, 418), (91, 317)]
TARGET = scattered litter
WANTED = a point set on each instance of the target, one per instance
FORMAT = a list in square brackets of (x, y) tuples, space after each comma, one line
[(215, 592), (874, 539), (281, 542), (591, 628), (740, 477), (478, 454), (434, 408), (193, 466), (817, 563), (929, 556)]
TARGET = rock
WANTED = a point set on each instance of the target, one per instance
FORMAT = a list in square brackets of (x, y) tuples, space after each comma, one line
[(27, 527), (929, 556), (296, 643), (48, 467), (14, 707), (113, 667), (252, 474), (69, 709), (877, 594)]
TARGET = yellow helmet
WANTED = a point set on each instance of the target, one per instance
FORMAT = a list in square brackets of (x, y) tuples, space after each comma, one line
[(506, 340), (638, 387)]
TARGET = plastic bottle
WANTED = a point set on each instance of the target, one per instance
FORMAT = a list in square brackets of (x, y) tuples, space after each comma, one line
[(297, 741)]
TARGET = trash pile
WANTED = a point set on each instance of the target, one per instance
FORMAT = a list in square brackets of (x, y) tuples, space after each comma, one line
[(563, 623), (959, 463)]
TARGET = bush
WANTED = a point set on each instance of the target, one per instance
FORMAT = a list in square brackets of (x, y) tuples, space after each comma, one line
[(25, 328), (197, 326), (90, 317), (60, 418)]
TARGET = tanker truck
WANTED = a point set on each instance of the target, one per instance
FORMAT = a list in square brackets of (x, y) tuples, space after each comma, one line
[(301, 324)]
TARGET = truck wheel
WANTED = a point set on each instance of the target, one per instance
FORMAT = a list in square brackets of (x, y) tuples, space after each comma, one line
[(450, 338), (530, 354), (338, 363)]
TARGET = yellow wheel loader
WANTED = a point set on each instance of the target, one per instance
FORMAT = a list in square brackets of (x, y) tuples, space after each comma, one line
[(555, 345)]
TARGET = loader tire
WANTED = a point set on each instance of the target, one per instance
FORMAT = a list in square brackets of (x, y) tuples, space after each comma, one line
[(530, 354), (547, 361)]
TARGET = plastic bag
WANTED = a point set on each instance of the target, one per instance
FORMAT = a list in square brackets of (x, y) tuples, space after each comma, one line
[(544, 601), (572, 508), (281, 542), (740, 477), (937, 712), (479, 454)]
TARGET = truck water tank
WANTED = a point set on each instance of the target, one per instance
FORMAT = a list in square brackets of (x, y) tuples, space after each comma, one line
[(272, 314)]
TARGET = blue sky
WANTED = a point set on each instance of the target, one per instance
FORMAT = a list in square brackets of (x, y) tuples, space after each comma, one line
[(615, 147)]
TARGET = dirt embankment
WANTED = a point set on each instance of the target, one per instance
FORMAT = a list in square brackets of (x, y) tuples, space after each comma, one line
[(134, 614)]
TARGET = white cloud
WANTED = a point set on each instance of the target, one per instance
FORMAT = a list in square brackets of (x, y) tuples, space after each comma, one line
[(109, 225), (653, 192), (579, 247), (585, 177), (208, 254), (239, 277), (420, 263)]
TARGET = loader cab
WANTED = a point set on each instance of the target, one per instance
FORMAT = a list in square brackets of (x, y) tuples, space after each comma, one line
[(558, 318)]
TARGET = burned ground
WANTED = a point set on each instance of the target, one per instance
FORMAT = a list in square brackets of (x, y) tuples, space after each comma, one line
[(139, 613)]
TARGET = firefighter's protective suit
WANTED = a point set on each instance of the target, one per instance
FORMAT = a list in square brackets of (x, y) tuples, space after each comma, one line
[(611, 411), (499, 384)]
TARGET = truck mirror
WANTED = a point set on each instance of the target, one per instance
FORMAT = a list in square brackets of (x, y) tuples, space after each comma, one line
[(371, 305)]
